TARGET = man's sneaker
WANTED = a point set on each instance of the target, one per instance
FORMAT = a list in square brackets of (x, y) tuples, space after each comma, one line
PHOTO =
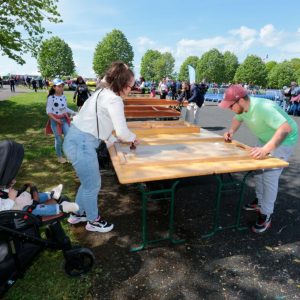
[(252, 206), (262, 224), (56, 192), (68, 207), (99, 225), (75, 219)]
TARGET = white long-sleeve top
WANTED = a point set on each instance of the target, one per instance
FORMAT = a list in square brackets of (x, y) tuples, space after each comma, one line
[(19, 203), (110, 113), (57, 105)]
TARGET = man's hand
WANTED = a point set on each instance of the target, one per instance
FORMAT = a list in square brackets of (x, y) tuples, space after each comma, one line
[(228, 137), (258, 153)]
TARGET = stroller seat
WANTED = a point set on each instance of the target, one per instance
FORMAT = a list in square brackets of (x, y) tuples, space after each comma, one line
[(23, 235)]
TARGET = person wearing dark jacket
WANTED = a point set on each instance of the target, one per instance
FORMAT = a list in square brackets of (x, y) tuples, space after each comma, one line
[(82, 92), (195, 102)]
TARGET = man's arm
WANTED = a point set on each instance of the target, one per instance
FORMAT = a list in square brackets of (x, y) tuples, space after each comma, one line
[(235, 125), (279, 136)]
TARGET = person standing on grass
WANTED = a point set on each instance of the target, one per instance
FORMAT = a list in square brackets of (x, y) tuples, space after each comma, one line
[(277, 135), (100, 115), (59, 116), (82, 92)]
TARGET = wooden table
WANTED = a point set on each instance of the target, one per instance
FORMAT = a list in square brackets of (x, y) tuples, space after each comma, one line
[(163, 156), (151, 101), (149, 112)]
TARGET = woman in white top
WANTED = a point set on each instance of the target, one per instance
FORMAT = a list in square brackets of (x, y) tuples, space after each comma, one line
[(100, 115), (58, 112)]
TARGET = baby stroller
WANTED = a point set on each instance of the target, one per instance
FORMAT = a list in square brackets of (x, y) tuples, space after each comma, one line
[(21, 232)]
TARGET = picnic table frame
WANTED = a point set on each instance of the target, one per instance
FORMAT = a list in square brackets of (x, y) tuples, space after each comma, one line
[(141, 175)]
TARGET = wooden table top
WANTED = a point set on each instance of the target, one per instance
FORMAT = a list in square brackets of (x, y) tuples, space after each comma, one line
[(163, 156)]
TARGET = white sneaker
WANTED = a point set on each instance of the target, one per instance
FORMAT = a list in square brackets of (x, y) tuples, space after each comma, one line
[(62, 160), (69, 207), (75, 219), (99, 225), (56, 192)]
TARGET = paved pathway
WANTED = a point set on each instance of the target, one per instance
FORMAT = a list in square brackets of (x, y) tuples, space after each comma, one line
[(5, 92)]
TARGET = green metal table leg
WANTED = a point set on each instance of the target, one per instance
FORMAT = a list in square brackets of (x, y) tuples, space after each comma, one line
[(240, 203), (233, 185), (217, 208), (146, 197)]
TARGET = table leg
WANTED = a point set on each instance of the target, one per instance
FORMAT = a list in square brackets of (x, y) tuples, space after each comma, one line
[(223, 187), (146, 197)]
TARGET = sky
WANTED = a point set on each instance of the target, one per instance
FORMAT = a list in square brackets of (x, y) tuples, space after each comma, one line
[(267, 28)]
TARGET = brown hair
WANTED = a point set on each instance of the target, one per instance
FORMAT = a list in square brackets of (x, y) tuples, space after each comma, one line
[(117, 77)]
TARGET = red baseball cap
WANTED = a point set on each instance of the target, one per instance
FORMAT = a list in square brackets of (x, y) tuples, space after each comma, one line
[(233, 94)]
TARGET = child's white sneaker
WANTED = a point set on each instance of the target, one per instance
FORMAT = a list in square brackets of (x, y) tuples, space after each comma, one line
[(62, 160), (69, 207), (56, 192)]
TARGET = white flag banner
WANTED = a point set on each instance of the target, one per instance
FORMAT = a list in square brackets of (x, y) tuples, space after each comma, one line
[(192, 74)]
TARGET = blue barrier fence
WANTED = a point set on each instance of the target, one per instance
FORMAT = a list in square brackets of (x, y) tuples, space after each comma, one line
[(218, 97)]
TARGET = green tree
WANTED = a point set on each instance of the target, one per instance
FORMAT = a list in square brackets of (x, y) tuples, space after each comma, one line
[(21, 29), (164, 66), (270, 65), (211, 67), (252, 70), (113, 47), (281, 75), (231, 65), (55, 58), (148, 62), (295, 63), (184, 73)]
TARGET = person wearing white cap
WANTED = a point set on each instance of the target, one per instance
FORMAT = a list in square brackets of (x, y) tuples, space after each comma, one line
[(58, 112), (277, 135)]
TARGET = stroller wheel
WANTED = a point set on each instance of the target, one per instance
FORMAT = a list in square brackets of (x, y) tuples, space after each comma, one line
[(79, 261)]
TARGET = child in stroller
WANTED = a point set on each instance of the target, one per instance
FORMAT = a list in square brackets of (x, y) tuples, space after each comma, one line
[(34, 201), (21, 232)]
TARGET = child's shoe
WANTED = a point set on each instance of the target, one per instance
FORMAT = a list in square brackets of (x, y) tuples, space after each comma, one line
[(68, 207), (62, 160), (56, 192)]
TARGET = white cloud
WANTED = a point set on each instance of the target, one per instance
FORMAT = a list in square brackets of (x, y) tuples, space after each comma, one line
[(245, 33), (144, 43), (269, 36)]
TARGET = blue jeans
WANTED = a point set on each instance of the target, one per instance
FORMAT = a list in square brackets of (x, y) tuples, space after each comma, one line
[(45, 209), (80, 148), (58, 138)]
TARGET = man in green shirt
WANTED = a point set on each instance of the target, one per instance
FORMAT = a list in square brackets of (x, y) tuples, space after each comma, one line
[(277, 135)]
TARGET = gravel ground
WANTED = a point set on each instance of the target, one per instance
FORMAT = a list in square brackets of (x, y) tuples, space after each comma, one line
[(231, 265)]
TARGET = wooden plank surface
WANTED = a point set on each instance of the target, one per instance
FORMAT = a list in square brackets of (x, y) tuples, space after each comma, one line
[(151, 112), (151, 101), (177, 167), (145, 128), (163, 153)]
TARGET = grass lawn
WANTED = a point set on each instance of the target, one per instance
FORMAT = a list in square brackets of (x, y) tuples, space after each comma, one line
[(23, 119)]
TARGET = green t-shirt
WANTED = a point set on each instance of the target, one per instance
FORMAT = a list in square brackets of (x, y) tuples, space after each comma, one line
[(264, 117)]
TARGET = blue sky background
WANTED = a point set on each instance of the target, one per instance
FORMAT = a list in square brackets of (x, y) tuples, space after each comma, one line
[(190, 27)]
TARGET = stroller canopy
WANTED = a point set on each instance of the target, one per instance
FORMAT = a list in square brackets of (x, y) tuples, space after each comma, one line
[(11, 156)]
